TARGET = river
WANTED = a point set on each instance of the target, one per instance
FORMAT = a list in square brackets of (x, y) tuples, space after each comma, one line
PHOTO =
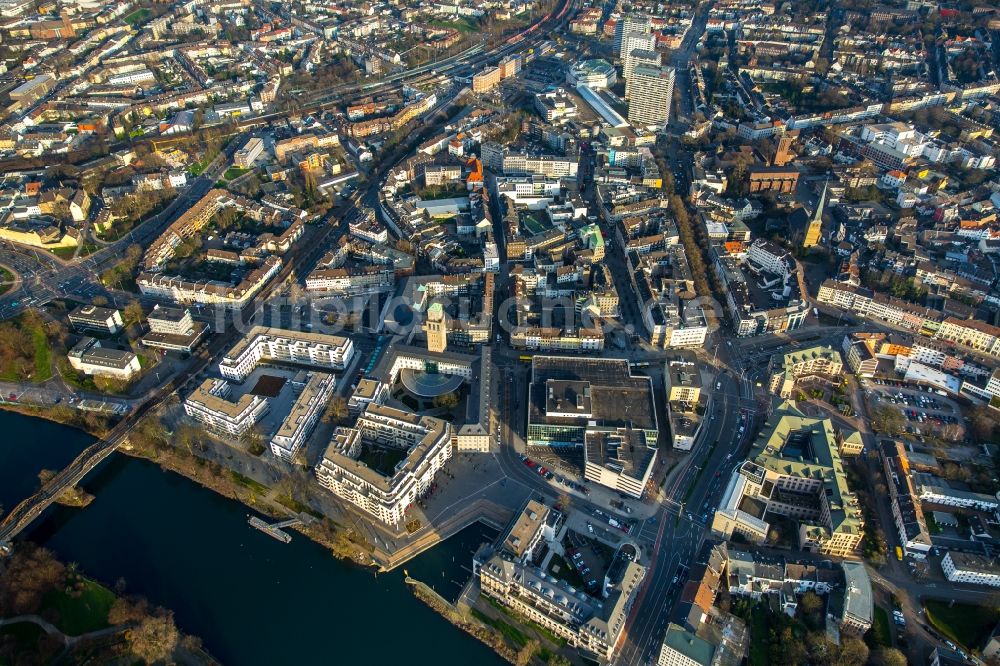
[(252, 599)]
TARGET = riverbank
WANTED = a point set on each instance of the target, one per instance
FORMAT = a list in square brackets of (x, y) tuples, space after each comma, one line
[(92, 423), (481, 632), (252, 494), (189, 548), (147, 443), (52, 612), (341, 542)]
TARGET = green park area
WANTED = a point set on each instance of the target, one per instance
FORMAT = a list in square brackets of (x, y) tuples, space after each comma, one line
[(82, 606), (966, 624), (25, 353), (138, 17), (464, 24), (234, 172)]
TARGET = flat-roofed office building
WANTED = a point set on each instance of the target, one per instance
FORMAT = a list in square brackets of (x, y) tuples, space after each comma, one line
[(90, 358), (173, 329), (569, 396), (91, 318)]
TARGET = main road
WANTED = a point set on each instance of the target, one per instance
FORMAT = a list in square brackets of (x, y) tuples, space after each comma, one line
[(692, 492)]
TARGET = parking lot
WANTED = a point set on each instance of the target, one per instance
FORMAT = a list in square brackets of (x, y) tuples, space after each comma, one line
[(924, 411), (588, 557)]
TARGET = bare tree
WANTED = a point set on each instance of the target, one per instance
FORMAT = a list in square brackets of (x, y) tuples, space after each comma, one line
[(154, 639)]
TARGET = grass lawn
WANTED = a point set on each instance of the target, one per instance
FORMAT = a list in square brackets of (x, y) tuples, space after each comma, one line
[(6, 280), (881, 633), (966, 624), (232, 173), (43, 356), (382, 460), (80, 610), (523, 621), (509, 632), (759, 653), (462, 25), (297, 506), (64, 252), (932, 525), (247, 482), (138, 16)]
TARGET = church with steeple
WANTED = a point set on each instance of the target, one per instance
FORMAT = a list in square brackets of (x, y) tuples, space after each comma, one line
[(808, 230)]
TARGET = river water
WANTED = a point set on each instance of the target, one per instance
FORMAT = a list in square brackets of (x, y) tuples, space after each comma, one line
[(252, 599)]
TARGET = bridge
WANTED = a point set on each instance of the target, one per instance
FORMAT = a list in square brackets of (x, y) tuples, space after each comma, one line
[(24, 513)]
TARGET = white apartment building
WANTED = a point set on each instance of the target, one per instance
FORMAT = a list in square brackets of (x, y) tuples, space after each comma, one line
[(209, 292), (555, 105), (652, 90), (263, 344), (429, 446), (787, 369), (499, 160), (691, 336), (771, 257), (969, 568), (248, 154), (590, 625), (90, 358), (173, 329), (619, 459), (210, 404), (171, 321), (94, 318), (125, 78), (343, 280), (682, 648), (302, 418), (630, 24), (638, 49), (937, 491)]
